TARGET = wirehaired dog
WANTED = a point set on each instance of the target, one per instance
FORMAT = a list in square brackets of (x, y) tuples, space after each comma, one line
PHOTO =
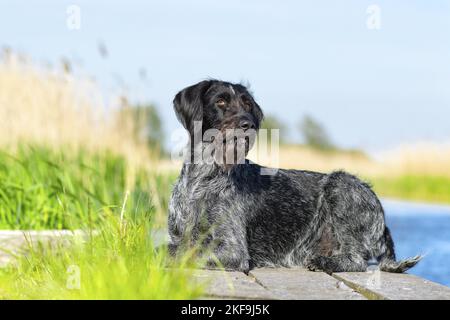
[(330, 222)]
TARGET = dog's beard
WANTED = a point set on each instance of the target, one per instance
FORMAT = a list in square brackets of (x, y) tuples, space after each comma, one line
[(233, 150), (228, 149)]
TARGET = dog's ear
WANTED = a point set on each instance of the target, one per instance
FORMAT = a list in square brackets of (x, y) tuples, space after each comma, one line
[(188, 104)]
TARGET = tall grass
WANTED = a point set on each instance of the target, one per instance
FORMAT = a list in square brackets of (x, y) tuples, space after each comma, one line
[(117, 261), (69, 160), (414, 187), (418, 159), (50, 107), (307, 158), (42, 188), (67, 153)]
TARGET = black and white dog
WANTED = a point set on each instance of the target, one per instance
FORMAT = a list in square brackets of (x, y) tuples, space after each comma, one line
[(330, 222)]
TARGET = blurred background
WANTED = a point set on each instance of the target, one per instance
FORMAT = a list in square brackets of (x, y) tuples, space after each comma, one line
[(86, 95)]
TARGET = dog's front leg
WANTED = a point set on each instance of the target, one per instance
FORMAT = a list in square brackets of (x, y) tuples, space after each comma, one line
[(230, 250)]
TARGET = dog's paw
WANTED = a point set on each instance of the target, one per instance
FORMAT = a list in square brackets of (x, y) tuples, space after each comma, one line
[(214, 263), (319, 264), (312, 267), (244, 267)]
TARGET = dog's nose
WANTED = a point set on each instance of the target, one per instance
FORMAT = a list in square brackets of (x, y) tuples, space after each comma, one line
[(246, 124)]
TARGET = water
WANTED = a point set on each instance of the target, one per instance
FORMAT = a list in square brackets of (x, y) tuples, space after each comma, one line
[(422, 229)]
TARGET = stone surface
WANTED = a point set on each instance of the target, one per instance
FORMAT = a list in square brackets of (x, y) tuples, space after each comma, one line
[(232, 285), (383, 285), (15, 242), (296, 283), (264, 283)]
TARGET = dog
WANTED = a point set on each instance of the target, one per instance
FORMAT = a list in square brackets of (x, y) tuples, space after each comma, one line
[(323, 222)]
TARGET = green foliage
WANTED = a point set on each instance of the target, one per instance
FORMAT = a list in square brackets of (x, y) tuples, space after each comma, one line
[(147, 124), (42, 188), (414, 187), (272, 122), (314, 134), (116, 261)]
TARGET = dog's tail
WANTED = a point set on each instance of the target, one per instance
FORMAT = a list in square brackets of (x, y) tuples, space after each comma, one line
[(388, 262), (389, 265)]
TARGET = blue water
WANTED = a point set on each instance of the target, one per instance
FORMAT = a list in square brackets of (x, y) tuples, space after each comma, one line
[(422, 229)]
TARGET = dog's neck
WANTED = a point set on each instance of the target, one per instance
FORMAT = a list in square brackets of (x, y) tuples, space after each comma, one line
[(209, 169), (200, 156)]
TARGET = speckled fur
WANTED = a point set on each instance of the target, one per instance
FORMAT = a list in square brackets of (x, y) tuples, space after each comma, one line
[(332, 222)]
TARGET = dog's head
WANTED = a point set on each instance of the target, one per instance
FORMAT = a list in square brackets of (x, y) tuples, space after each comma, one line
[(227, 108)]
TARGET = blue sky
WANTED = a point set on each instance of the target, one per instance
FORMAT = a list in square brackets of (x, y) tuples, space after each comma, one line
[(373, 89)]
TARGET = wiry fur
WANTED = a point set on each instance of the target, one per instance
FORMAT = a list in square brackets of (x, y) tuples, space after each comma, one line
[(331, 222)]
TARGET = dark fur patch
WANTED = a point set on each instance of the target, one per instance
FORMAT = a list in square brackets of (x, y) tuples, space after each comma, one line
[(328, 243)]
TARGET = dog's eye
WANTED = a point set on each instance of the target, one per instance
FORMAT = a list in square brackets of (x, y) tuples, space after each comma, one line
[(221, 103)]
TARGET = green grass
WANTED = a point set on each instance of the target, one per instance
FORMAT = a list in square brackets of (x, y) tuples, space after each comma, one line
[(118, 262), (414, 187), (41, 188)]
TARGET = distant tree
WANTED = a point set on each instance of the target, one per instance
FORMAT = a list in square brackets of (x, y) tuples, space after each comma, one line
[(272, 122), (147, 125), (314, 134)]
